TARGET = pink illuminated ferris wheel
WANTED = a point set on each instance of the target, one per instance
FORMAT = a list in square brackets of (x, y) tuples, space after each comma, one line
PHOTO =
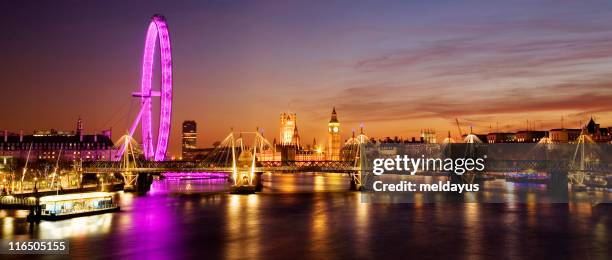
[(158, 30)]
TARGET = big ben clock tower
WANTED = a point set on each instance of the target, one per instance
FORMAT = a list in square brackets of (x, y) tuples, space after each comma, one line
[(333, 137)]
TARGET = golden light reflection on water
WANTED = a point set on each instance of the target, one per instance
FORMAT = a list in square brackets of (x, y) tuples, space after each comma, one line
[(532, 207), (243, 227), (319, 227), (509, 196), (473, 228), (7, 226), (362, 227), (76, 227), (601, 234), (582, 209), (419, 211), (279, 182), (511, 237), (127, 198), (305, 182), (418, 200), (319, 183), (21, 213)]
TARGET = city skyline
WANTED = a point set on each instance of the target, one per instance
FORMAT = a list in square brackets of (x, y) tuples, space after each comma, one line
[(422, 67)]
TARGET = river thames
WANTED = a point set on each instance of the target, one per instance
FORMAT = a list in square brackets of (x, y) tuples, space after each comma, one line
[(315, 216)]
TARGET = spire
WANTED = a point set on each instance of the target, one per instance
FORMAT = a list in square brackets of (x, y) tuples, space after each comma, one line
[(592, 127), (334, 116), (527, 124), (295, 132), (591, 122), (562, 126), (79, 127), (295, 139)]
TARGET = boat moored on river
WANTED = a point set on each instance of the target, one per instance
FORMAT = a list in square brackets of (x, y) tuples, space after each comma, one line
[(65, 206)]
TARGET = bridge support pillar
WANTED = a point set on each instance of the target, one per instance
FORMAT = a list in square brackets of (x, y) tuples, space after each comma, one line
[(35, 212), (355, 179), (557, 186), (143, 182), (139, 182), (258, 182)]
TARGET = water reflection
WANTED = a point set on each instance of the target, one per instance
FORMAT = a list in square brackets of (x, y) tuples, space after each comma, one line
[(76, 227), (242, 235), (473, 229), (7, 226), (188, 186), (362, 228), (319, 225), (314, 216), (305, 182), (490, 191)]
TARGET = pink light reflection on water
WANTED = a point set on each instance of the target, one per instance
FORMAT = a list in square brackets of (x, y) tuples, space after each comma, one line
[(190, 182), (194, 175)]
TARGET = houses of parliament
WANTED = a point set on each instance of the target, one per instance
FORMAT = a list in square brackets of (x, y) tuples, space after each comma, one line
[(288, 146)]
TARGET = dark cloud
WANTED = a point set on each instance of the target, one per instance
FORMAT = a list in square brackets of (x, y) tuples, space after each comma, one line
[(386, 103), (538, 57)]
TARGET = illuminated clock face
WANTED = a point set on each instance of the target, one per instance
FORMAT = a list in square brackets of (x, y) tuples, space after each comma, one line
[(335, 129), (330, 128)]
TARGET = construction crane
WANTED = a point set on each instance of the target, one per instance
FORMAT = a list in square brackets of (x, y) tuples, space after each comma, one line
[(459, 129)]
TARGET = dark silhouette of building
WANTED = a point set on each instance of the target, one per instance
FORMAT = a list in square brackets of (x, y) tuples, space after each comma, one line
[(530, 136), (597, 133), (501, 137), (49, 144), (189, 138)]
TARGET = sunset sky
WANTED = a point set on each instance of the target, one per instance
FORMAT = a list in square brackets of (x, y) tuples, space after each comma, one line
[(396, 66)]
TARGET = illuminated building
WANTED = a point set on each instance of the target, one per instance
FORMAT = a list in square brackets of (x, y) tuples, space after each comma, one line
[(295, 139), (48, 145), (333, 137), (596, 133), (500, 137), (474, 138), (530, 136), (5, 163), (564, 135), (352, 145), (429, 136), (288, 122), (190, 137), (289, 145), (189, 143)]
